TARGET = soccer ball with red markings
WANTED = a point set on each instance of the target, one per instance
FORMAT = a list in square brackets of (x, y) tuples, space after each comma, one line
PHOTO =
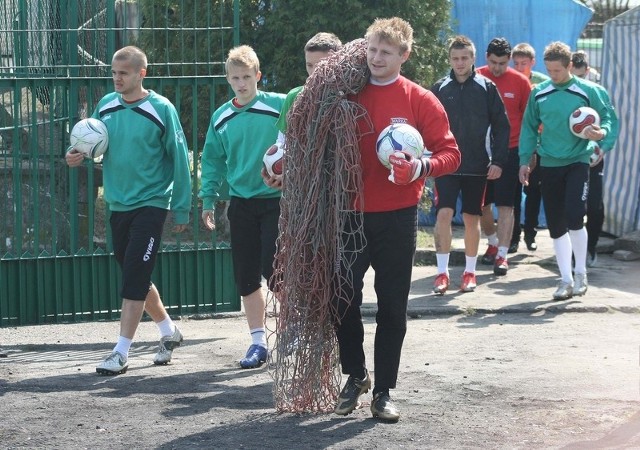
[(399, 137), (89, 137), (581, 119), (273, 160)]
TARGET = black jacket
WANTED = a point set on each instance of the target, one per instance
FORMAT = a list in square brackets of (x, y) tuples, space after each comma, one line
[(478, 121)]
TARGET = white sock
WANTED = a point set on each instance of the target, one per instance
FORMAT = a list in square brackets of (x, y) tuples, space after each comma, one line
[(493, 239), (579, 245), (443, 262), (259, 337), (123, 346), (470, 263), (167, 327), (562, 248), (502, 252)]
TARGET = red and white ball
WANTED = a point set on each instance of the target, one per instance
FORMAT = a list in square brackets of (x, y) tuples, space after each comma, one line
[(89, 137), (399, 137), (273, 160), (581, 119)]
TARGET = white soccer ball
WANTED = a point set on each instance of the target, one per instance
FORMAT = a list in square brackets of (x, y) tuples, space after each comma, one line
[(581, 119), (89, 137), (273, 160), (398, 137)]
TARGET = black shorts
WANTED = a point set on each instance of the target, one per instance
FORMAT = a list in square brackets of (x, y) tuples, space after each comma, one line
[(564, 195), (472, 188), (136, 240), (503, 190), (253, 226)]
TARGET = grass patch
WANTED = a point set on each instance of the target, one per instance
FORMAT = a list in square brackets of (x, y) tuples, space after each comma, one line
[(425, 238)]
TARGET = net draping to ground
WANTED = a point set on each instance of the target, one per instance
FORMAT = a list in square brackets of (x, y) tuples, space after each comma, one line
[(320, 232)]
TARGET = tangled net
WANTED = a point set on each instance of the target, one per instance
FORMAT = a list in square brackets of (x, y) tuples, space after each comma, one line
[(322, 181)]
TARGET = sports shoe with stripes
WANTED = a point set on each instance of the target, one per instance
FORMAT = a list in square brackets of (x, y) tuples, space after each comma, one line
[(564, 291), (489, 256), (468, 283), (255, 357), (501, 266), (115, 364), (166, 347), (351, 392), (580, 284), (383, 408), (441, 284)]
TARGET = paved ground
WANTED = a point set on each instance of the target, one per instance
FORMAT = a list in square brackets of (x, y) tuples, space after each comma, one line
[(527, 288), (504, 367)]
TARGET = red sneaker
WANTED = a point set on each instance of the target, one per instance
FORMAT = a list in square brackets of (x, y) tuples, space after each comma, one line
[(468, 282), (489, 257), (441, 284), (501, 266)]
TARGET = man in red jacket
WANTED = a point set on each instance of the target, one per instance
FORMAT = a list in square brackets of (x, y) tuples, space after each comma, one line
[(514, 88), (389, 208)]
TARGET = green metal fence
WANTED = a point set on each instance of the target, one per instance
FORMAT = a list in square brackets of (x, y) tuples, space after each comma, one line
[(56, 261)]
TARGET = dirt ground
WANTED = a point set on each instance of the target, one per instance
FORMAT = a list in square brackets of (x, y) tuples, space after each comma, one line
[(543, 380)]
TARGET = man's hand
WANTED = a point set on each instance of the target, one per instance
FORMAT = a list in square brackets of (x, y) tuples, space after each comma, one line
[(524, 175), (74, 158), (405, 168), (274, 182), (494, 172), (594, 133), (208, 219)]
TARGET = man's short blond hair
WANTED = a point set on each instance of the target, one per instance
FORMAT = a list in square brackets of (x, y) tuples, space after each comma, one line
[(523, 50), (558, 51), (243, 56), (395, 31), (133, 54)]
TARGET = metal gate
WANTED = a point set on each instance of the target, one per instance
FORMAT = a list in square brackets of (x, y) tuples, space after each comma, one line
[(56, 261)]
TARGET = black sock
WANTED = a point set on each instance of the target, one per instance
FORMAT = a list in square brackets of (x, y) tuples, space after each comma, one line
[(377, 390)]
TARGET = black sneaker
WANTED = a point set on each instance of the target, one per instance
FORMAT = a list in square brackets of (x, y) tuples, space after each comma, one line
[(592, 258), (348, 399), (513, 248), (531, 242), (383, 408)]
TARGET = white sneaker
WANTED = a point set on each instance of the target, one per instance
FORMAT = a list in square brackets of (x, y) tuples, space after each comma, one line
[(580, 284), (115, 364), (166, 346), (564, 291)]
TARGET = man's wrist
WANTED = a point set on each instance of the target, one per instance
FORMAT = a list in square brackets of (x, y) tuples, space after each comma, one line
[(426, 167), (604, 134)]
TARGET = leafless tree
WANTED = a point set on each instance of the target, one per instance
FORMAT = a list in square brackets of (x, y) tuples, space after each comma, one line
[(604, 10)]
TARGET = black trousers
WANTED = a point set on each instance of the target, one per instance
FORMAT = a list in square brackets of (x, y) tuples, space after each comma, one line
[(532, 203), (595, 206), (389, 250), (531, 207), (564, 191)]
